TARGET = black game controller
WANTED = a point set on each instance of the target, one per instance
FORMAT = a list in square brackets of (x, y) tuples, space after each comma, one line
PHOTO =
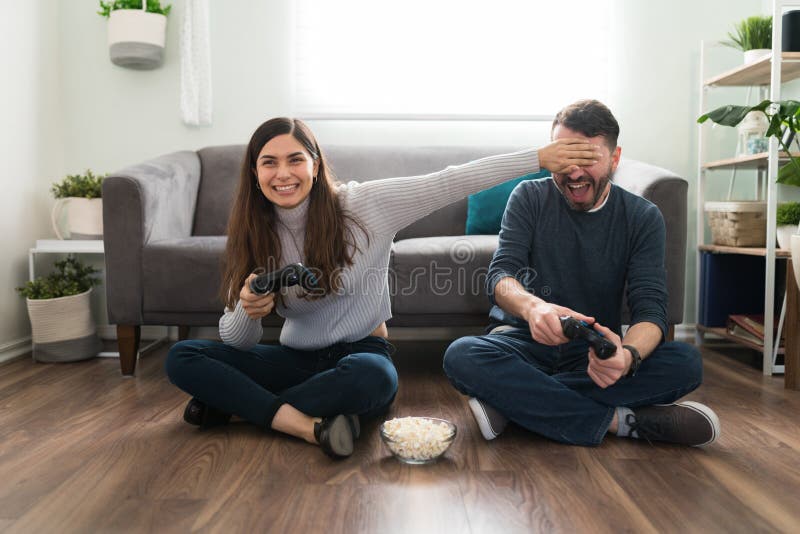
[(291, 275), (575, 329)]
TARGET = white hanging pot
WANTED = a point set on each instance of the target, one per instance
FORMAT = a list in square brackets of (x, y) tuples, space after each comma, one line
[(755, 54), (136, 38), (62, 328), (84, 217)]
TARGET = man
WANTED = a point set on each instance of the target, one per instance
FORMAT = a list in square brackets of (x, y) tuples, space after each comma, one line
[(568, 245)]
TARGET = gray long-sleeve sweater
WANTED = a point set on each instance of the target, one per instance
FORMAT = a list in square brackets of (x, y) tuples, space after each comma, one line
[(384, 207)]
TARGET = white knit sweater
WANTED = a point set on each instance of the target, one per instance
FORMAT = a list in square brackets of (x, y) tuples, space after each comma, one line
[(384, 207)]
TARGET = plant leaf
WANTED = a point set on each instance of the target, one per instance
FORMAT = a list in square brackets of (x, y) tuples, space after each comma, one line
[(789, 174)]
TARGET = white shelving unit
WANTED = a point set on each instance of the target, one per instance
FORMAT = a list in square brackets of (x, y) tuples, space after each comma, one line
[(768, 74)]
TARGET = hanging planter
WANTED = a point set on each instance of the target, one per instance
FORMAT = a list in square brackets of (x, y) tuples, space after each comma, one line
[(136, 32)]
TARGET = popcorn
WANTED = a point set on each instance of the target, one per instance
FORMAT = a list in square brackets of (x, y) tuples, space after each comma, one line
[(418, 439)]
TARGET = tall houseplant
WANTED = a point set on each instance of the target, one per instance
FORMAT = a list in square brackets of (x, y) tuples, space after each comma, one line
[(137, 32), (60, 313), (80, 196)]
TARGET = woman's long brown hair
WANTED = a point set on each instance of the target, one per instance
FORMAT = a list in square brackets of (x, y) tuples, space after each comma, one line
[(252, 233)]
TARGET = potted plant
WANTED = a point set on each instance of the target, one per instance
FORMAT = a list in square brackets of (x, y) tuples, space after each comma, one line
[(80, 196), (787, 221), (60, 313), (137, 32), (753, 36)]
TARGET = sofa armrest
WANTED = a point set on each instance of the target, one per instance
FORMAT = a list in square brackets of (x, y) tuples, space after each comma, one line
[(668, 191), (144, 203)]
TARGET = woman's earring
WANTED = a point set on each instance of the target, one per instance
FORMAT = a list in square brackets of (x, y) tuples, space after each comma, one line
[(258, 185), (315, 179)]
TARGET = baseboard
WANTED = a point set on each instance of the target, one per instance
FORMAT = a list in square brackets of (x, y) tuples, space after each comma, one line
[(15, 349)]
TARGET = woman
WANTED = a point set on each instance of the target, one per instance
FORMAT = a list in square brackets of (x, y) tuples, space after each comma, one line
[(333, 363)]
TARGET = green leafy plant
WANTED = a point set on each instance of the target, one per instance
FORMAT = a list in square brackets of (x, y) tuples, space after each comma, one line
[(784, 123), (788, 214), (751, 33), (71, 277), (86, 185), (153, 6)]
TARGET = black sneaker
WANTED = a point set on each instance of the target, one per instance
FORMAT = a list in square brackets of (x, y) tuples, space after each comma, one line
[(200, 414), (685, 423), (335, 435), (490, 422)]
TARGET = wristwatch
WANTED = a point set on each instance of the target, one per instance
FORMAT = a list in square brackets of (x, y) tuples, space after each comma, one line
[(636, 362)]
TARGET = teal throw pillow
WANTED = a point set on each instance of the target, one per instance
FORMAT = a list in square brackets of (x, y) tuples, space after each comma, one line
[(485, 209)]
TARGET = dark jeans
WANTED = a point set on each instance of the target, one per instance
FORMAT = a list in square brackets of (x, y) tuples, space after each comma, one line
[(546, 389), (346, 378)]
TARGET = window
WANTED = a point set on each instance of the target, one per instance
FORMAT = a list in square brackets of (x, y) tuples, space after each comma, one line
[(504, 59)]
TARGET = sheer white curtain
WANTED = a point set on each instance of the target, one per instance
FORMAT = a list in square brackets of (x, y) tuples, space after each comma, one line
[(449, 59)]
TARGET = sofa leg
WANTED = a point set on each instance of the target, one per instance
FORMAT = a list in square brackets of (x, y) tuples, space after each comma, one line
[(183, 333), (128, 337)]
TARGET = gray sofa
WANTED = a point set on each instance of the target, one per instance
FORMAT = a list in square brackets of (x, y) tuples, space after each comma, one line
[(164, 224)]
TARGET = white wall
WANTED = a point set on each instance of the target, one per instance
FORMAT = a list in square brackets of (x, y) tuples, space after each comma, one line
[(31, 149), (90, 113)]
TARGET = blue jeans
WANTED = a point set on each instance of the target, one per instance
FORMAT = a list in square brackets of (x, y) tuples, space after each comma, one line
[(346, 378), (547, 390)]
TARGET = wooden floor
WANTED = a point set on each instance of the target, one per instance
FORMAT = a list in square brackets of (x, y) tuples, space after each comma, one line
[(84, 450)]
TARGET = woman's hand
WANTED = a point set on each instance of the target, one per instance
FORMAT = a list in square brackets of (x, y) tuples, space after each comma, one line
[(565, 156), (256, 306)]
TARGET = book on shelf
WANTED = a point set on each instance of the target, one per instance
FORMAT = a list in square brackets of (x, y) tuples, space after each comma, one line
[(749, 327)]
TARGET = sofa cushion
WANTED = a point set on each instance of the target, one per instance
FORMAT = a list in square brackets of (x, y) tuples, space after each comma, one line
[(443, 274), (183, 274), (219, 176), (485, 209)]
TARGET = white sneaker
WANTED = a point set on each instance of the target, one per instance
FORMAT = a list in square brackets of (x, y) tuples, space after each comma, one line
[(490, 422)]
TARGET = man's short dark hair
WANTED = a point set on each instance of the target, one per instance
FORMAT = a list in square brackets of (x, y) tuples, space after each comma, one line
[(592, 118)]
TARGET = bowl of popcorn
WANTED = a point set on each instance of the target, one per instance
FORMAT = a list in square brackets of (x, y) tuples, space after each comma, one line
[(418, 440)]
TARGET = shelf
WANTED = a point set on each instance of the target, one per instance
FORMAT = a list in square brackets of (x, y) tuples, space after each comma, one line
[(746, 251), (752, 161), (79, 246), (758, 72), (723, 333)]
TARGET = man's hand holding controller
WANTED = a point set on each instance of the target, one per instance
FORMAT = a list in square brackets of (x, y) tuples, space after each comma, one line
[(544, 320)]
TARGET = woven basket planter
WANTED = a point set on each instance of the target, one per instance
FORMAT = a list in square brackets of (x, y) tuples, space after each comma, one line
[(63, 330), (738, 224)]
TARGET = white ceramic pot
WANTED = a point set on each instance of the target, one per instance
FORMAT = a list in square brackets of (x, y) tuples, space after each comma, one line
[(136, 38), (84, 217), (62, 328), (754, 55), (796, 257), (785, 233)]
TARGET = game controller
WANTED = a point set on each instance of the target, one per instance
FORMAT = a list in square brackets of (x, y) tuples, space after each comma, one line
[(291, 275), (575, 329)]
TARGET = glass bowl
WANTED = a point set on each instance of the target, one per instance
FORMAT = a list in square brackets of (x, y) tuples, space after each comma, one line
[(418, 440)]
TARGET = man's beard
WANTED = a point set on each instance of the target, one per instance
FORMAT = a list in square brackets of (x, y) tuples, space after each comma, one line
[(599, 186)]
